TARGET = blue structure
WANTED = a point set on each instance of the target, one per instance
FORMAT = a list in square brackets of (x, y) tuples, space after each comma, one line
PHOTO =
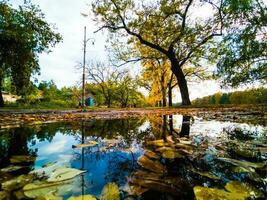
[(89, 101)]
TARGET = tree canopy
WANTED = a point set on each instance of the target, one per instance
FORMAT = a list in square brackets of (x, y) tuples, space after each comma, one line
[(175, 29), (24, 34)]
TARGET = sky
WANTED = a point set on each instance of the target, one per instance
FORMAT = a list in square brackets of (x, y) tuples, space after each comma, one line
[(59, 65)]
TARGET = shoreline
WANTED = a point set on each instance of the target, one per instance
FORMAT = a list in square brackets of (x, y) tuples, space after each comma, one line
[(11, 118)]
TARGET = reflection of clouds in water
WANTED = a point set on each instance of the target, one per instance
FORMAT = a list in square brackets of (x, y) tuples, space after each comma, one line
[(177, 121), (56, 147), (59, 144), (144, 126), (216, 128)]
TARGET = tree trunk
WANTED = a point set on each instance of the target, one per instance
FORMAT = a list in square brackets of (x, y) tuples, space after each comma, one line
[(170, 93), (185, 126), (1, 95), (182, 83), (164, 100), (163, 91)]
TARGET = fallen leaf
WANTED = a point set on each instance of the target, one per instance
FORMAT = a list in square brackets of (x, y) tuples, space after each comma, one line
[(89, 144), (152, 165), (64, 173), (82, 197), (21, 159), (110, 192)]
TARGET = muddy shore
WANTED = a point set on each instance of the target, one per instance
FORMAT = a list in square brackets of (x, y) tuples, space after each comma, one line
[(14, 118)]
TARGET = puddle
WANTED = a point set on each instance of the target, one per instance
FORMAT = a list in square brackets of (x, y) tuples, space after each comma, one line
[(160, 157)]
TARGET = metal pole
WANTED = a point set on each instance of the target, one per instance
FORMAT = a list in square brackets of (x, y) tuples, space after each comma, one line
[(84, 54)]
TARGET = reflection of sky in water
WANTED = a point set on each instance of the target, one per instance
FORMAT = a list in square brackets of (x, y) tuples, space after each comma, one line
[(214, 128), (102, 167), (57, 149)]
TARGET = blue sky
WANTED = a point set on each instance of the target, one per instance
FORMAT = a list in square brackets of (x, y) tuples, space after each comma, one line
[(59, 65)]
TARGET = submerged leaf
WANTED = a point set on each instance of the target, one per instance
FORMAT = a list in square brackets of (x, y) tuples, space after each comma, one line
[(11, 168), (151, 154), (204, 193), (171, 154), (152, 165), (246, 189), (49, 197), (21, 159), (235, 191), (64, 173), (3, 195), (17, 182), (83, 197), (110, 192), (243, 163), (39, 189), (206, 174), (171, 185), (61, 188), (158, 143), (135, 190)]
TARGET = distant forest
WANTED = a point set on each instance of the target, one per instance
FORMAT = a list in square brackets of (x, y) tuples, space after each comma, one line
[(251, 96)]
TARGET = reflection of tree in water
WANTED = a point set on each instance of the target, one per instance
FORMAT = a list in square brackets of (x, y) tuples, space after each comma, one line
[(162, 126), (170, 184)]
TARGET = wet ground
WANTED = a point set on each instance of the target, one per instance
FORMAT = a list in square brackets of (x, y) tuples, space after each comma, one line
[(157, 157)]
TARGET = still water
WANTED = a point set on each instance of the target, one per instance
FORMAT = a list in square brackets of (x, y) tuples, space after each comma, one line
[(160, 157)]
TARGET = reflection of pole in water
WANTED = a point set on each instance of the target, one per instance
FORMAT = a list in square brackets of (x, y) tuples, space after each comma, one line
[(83, 181), (185, 126)]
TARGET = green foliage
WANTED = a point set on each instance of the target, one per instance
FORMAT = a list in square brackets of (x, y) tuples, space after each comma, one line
[(113, 87), (243, 51), (233, 36), (47, 95), (24, 34), (252, 96)]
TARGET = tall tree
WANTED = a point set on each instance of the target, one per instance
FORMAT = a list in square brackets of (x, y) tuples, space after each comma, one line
[(107, 77), (24, 34), (173, 28)]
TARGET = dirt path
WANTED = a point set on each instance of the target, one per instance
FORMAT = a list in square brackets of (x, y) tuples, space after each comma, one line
[(13, 118)]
